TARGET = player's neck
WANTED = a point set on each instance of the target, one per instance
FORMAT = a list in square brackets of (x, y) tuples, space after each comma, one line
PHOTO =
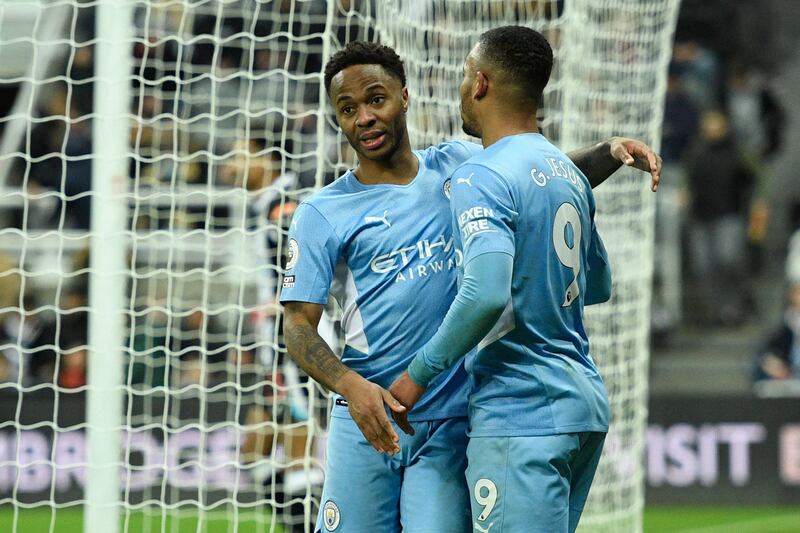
[(502, 123), (400, 169)]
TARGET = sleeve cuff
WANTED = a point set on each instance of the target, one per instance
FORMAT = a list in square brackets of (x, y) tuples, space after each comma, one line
[(419, 372)]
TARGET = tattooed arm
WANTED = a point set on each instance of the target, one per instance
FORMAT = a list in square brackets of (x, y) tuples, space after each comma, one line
[(365, 400), (598, 162)]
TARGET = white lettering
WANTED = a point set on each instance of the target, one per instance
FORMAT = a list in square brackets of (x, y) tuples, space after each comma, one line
[(143, 466), (183, 454), (683, 468), (788, 455), (707, 453), (683, 455), (400, 258), (384, 263), (558, 169), (221, 456), (739, 438), (553, 166), (474, 212), (143, 446), (70, 452), (7, 471), (539, 177), (421, 271), (34, 462), (656, 456)]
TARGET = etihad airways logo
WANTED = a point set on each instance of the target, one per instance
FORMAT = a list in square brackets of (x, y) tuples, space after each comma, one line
[(438, 251)]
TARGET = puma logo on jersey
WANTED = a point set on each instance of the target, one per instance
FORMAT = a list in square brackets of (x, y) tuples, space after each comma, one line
[(466, 180), (483, 530), (382, 220)]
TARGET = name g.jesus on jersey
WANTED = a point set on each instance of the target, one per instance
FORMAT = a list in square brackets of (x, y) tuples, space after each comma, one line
[(440, 252), (476, 219), (558, 169)]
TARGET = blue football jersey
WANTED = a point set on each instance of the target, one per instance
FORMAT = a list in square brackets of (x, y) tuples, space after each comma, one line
[(532, 374), (386, 253)]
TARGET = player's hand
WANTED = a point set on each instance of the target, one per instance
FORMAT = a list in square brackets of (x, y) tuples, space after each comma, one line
[(407, 393), (637, 154), (365, 401)]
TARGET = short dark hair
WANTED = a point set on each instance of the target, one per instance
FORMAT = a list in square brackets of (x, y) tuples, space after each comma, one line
[(364, 53), (523, 54)]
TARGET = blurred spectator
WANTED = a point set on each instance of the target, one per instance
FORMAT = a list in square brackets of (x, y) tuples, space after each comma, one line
[(698, 68), (679, 131), (10, 281), (27, 336), (147, 361), (271, 205), (260, 170), (69, 174), (80, 74), (275, 429), (793, 259), (201, 343), (758, 121), (190, 370), (5, 370), (242, 368), (779, 358), (757, 118), (72, 373), (720, 184)]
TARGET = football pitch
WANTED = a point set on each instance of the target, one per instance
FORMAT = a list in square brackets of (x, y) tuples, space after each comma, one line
[(657, 520)]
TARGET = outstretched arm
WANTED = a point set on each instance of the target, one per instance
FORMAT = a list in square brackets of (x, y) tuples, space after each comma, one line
[(484, 293), (598, 162), (365, 400)]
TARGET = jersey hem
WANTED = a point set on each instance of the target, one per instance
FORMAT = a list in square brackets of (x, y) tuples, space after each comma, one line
[(530, 432), (342, 412)]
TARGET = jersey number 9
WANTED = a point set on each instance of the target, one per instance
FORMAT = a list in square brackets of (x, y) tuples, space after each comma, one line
[(570, 256)]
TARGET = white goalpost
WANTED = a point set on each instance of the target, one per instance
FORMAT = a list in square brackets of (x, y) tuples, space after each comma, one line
[(151, 160)]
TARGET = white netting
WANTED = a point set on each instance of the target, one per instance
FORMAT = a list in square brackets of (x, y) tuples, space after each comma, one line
[(228, 129)]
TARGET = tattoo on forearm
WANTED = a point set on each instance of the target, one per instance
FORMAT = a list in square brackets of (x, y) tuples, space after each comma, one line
[(596, 162), (313, 355)]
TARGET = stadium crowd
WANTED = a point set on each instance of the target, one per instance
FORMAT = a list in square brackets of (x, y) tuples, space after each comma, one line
[(723, 125)]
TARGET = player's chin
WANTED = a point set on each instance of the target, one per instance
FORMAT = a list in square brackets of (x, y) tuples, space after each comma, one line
[(382, 153), (469, 129)]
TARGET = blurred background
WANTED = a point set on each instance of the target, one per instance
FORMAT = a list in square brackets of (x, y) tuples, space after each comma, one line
[(724, 374)]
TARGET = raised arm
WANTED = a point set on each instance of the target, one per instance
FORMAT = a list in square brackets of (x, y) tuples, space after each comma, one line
[(598, 162), (365, 400)]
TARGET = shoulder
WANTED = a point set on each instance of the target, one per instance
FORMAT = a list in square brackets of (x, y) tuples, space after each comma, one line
[(316, 214), (450, 153), (329, 199), (475, 179), (480, 169)]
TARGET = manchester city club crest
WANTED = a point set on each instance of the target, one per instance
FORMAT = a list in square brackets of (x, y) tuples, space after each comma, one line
[(331, 515), (446, 188), (292, 255)]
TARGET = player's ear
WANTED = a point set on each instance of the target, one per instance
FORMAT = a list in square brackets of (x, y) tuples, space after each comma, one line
[(481, 86), (404, 98)]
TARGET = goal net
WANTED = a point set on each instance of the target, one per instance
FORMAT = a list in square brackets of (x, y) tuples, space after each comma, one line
[(151, 156)]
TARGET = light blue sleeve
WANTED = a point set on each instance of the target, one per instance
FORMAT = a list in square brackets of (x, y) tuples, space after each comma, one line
[(314, 250), (484, 209), (471, 148), (598, 271), (484, 293)]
